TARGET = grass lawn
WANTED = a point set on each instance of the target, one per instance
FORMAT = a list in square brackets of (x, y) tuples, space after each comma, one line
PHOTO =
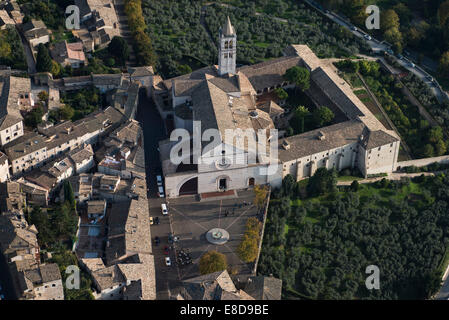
[(349, 178)]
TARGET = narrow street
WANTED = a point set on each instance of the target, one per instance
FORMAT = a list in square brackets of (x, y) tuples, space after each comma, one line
[(153, 130), (125, 33), (28, 54)]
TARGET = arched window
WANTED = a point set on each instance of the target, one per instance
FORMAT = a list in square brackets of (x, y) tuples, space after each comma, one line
[(230, 44), (226, 44)]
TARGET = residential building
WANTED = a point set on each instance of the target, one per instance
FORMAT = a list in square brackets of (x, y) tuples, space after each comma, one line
[(100, 19), (212, 286), (5, 20), (69, 54), (36, 149), (36, 32), (15, 95), (42, 283), (96, 210), (4, 167)]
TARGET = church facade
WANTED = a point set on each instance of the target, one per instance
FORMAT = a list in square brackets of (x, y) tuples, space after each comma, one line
[(224, 98)]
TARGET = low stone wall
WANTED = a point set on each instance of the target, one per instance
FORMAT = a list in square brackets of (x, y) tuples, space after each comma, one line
[(422, 162)]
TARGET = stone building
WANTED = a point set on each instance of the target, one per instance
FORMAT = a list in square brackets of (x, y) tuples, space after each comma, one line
[(224, 97), (38, 148), (15, 96)]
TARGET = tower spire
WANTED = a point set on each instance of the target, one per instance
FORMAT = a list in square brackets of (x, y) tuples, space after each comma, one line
[(227, 52), (228, 29)]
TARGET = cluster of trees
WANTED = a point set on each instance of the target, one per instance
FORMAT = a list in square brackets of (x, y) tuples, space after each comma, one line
[(78, 104), (249, 247), (143, 47), (421, 25), (118, 48), (318, 118), (64, 258), (433, 167), (212, 261), (51, 12), (181, 33), (57, 226), (11, 49), (34, 117), (57, 233), (320, 249), (423, 140)]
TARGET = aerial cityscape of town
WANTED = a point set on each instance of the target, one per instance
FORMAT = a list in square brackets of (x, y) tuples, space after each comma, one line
[(224, 150)]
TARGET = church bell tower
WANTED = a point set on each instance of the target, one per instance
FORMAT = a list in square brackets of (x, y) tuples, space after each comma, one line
[(227, 53)]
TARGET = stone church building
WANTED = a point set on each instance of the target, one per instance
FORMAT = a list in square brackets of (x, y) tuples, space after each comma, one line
[(225, 97)]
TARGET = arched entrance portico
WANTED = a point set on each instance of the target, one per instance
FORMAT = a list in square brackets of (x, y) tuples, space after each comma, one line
[(190, 187)]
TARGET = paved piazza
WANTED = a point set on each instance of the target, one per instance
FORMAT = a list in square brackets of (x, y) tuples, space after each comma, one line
[(192, 220)]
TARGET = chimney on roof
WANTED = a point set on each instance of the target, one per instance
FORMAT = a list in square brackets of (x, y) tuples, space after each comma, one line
[(321, 135)]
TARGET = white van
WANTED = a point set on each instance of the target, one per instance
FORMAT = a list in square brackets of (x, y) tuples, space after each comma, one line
[(164, 209)]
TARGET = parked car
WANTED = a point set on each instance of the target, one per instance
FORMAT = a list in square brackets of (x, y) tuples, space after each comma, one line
[(429, 78), (411, 64), (354, 28), (160, 192), (157, 240), (164, 209), (368, 37), (156, 220), (166, 251), (151, 220), (167, 261), (159, 180)]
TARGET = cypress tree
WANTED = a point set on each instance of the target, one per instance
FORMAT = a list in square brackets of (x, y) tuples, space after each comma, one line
[(43, 60)]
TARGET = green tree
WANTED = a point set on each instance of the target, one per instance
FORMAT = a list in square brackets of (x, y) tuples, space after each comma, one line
[(389, 20), (299, 76), (322, 116), (444, 64), (301, 112), (43, 96), (435, 134), (248, 249), (69, 195), (281, 93), (428, 151), (43, 60), (443, 13), (440, 148), (322, 182), (355, 186), (119, 49), (34, 117), (184, 69), (212, 261), (66, 112)]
